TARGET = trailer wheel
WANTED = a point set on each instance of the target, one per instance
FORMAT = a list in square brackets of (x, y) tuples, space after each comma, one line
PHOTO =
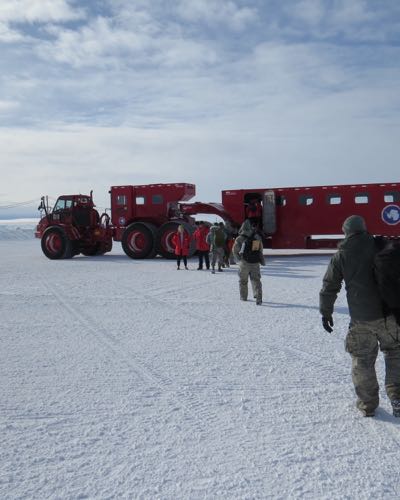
[(138, 240), (56, 244), (165, 246)]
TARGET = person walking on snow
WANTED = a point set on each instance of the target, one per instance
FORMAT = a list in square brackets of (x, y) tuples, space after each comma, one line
[(368, 329), (181, 241), (202, 247), (216, 240), (248, 253)]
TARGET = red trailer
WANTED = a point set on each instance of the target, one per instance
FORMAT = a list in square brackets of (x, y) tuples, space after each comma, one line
[(312, 217), (144, 217)]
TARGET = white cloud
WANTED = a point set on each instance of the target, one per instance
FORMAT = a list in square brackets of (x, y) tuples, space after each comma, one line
[(213, 12), (95, 44), (6, 106), (356, 20), (8, 35), (32, 11), (337, 13), (311, 12), (350, 13), (103, 43)]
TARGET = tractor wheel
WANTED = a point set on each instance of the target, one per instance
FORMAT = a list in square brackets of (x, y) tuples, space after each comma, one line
[(165, 246), (56, 244), (138, 240)]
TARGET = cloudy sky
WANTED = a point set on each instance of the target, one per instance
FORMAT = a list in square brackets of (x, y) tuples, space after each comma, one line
[(219, 93)]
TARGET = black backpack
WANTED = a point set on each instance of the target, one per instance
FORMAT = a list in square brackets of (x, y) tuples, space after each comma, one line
[(219, 238), (251, 252), (387, 274)]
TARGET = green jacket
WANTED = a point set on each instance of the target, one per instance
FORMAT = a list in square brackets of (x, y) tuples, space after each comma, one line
[(353, 264)]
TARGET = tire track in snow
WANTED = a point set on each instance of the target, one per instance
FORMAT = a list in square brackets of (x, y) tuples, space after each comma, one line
[(99, 333), (205, 421), (314, 359), (154, 297)]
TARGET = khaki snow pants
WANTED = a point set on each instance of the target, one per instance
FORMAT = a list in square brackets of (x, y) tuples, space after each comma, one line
[(362, 343), (247, 270), (217, 257)]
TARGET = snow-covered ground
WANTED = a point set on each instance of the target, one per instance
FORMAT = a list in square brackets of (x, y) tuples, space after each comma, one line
[(129, 379), (17, 229)]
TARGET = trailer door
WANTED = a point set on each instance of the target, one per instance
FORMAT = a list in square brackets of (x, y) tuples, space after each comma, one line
[(269, 212), (122, 208)]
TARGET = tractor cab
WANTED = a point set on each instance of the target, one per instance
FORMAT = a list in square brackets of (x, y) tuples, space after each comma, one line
[(77, 210)]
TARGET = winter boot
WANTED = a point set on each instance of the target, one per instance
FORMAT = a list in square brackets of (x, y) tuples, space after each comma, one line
[(396, 407), (365, 411), (368, 413), (213, 270)]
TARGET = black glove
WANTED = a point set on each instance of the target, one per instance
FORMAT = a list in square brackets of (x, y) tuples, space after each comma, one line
[(327, 323)]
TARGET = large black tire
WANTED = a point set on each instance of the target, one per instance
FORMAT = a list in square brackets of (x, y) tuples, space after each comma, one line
[(56, 244), (165, 233), (139, 240)]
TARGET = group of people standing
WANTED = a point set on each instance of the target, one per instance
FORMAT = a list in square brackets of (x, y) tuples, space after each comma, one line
[(213, 246), (216, 245)]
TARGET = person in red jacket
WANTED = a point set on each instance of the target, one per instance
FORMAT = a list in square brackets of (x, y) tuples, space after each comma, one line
[(254, 211), (202, 247), (181, 240)]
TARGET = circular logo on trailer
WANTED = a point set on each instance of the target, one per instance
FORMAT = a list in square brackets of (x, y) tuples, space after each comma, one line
[(122, 221), (391, 214)]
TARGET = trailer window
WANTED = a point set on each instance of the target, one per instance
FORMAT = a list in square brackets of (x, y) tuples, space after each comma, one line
[(306, 200), (157, 199), (140, 200), (280, 200), (391, 197), (334, 199), (361, 198), (121, 199)]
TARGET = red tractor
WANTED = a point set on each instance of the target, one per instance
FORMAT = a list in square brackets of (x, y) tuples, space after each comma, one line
[(74, 226), (145, 217)]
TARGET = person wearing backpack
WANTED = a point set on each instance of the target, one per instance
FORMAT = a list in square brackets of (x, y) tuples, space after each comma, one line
[(248, 253), (369, 330), (216, 240)]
